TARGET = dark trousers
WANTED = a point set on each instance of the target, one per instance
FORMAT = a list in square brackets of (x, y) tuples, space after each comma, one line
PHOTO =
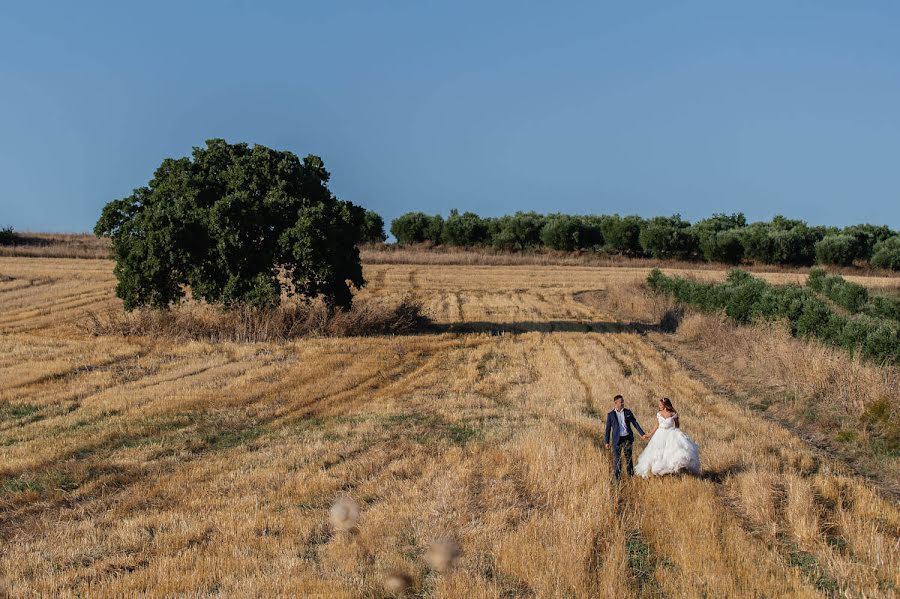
[(624, 447)]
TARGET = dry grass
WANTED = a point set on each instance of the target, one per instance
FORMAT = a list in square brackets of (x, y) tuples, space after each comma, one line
[(132, 465), (836, 400), (201, 322), (57, 245)]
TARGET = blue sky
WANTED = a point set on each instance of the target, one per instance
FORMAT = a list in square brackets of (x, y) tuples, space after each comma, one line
[(648, 108)]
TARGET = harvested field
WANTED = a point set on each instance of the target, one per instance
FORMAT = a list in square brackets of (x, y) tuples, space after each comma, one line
[(137, 466)]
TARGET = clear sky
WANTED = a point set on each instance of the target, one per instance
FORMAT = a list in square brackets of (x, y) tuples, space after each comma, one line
[(630, 107)]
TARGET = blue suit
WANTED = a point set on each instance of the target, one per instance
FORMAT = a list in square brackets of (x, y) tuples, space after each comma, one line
[(621, 443)]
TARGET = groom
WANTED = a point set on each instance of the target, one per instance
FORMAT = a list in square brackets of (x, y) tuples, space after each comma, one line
[(618, 425)]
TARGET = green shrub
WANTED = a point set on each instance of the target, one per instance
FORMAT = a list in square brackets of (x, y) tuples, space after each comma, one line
[(656, 279), (781, 241), (410, 227), (816, 279), (7, 236), (882, 343), (757, 242), (852, 335), (723, 246), (667, 237), (373, 228), (719, 237), (590, 234), (519, 232), (561, 232), (839, 250), (866, 237), (794, 246), (742, 300), (884, 307), (852, 297), (434, 229), (466, 229), (745, 299), (813, 319), (886, 254), (781, 303), (621, 234)]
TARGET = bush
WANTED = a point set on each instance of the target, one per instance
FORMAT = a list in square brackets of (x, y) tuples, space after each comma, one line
[(7, 236), (781, 241), (718, 223), (882, 342), (839, 250), (813, 319), (667, 237), (373, 228), (561, 232), (723, 246), (412, 227), (231, 223), (884, 307), (718, 237), (745, 299), (590, 234), (622, 234), (816, 279), (851, 296), (757, 243), (519, 232), (794, 246), (466, 229), (866, 237), (886, 254), (434, 229), (854, 298), (742, 298)]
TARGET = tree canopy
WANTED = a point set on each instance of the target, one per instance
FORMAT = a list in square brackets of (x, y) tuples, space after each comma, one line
[(237, 224)]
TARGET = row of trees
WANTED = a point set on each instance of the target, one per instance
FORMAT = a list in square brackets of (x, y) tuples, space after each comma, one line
[(720, 238), (746, 299)]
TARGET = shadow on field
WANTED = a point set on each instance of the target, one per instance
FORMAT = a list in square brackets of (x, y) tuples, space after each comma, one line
[(547, 326)]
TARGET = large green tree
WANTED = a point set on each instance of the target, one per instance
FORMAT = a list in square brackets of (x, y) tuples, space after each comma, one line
[(236, 224)]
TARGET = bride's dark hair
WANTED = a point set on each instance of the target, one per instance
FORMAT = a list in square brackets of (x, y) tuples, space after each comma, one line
[(667, 403)]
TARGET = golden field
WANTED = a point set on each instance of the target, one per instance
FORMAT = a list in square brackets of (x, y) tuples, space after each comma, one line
[(136, 466)]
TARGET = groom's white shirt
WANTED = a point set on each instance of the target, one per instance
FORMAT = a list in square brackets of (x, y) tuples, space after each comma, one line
[(621, 416)]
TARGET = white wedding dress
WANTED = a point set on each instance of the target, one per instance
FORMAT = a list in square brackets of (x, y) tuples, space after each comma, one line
[(668, 451)]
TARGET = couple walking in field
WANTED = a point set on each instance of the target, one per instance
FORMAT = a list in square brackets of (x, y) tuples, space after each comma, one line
[(668, 451)]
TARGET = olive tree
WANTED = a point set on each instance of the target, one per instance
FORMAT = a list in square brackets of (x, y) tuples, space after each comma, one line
[(373, 228)]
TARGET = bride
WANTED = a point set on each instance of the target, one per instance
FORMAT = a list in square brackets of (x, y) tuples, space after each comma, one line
[(670, 450)]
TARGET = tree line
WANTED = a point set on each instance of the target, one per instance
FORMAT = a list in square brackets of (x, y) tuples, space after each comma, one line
[(725, 238)]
